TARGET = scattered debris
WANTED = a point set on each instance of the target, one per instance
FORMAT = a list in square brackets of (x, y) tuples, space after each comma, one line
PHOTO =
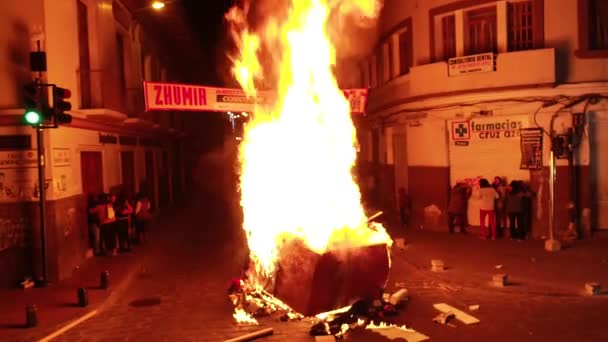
[(27, 283), (500, 280), (437, 265), (460, 315), (593, 289), (473, 307), (392, 332), (253, 335), (498, 267), (444, 317), (398, 297)]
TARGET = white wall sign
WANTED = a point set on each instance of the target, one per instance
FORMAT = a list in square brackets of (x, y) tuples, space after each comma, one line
[(486, 147), (471, 64)]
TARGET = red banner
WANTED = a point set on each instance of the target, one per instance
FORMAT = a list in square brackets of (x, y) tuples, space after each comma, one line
[(172, 96)]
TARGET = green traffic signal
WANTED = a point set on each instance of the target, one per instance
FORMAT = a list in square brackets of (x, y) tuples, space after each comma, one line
[(32, 117)]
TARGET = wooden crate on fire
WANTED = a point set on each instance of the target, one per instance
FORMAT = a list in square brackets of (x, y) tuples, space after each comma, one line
[(313, 283)]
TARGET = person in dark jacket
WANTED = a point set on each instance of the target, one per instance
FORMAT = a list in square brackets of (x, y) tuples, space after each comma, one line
[(457, 208), (515, 210), (123, 212)]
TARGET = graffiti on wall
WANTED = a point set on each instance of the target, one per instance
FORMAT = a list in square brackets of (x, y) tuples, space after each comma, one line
[(13, 233)]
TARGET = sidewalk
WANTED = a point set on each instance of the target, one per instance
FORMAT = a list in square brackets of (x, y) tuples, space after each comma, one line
[(471, 262), (57, 304)]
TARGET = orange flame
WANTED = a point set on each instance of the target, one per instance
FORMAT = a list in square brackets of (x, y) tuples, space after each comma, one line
[(241, 316), (297, 155)]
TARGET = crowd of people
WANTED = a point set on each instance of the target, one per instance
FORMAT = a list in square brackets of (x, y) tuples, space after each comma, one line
[(501, 206), (115, 222)]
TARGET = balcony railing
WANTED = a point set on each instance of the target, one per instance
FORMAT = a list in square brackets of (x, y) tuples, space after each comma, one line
[(513, 69)]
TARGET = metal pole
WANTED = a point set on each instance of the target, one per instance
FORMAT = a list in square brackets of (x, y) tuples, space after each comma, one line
[(41, 202), (551, 193)]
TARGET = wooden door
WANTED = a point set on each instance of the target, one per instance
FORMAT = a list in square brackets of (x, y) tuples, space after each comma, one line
[(91, 168)]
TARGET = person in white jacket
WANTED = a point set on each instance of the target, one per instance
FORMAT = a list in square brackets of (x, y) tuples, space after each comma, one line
[(487, 196)]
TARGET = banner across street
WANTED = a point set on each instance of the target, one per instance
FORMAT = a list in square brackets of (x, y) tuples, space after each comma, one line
[(186, 97)]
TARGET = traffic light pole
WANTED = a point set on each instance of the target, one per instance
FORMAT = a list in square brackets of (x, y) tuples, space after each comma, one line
[(42, 203), (41, 187)]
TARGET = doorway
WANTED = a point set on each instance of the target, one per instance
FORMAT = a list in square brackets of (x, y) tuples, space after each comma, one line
[(91, 170)]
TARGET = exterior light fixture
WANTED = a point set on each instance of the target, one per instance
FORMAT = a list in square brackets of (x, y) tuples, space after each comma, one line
[(158, 5)]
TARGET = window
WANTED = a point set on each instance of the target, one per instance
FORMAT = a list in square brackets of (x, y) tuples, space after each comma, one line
[(391, 63), (480, 31), (520, 20), (593, 28), (405, 51), (83, 52), (448, 35), (598, 25), (380, 66)]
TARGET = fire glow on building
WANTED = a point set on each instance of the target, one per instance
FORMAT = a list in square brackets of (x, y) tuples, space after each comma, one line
[(311, 244)]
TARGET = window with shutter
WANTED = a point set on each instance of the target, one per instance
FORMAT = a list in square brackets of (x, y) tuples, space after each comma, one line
[(520, 26), (448, 35), (481, 31)]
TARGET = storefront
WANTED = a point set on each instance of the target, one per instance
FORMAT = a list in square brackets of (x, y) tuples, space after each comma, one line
[(486, 147)]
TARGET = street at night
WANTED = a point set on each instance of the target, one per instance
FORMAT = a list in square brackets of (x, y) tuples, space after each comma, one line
[(303, 170)]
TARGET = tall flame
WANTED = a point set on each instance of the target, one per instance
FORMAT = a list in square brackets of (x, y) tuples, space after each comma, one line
[(297, 155)]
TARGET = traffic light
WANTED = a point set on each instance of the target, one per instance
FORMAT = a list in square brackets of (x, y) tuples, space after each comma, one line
[(32, 104), (60, 105)]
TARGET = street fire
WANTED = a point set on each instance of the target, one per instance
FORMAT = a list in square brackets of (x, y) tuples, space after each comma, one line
[(297, 155), (243, 317)]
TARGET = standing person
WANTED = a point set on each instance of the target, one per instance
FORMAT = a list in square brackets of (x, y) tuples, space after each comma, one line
[(94, 224), (123, 212), (108, 230), (487, 196), (142, 216), (527, 196), (515, 210), (499, 185), (457, 208), (404, 206)]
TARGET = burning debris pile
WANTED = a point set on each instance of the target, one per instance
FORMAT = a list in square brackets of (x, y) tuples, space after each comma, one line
[(371, 313), (312, 248)]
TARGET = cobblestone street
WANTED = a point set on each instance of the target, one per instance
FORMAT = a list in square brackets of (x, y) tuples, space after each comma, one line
[(178, 293)]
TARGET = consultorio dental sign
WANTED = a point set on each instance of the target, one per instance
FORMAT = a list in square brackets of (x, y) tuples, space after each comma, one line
[(483, 62)]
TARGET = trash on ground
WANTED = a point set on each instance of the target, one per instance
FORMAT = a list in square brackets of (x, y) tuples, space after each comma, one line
[(393, 332), (473, 307), (460, 315), (444, 317), (593, 289), (253, 335), (437, 265), (500, 279), (498, 267), (398, 297)]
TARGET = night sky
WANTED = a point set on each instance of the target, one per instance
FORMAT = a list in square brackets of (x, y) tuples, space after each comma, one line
[(206, 19)]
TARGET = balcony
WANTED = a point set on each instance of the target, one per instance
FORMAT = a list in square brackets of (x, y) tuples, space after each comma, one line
[(513, 69)]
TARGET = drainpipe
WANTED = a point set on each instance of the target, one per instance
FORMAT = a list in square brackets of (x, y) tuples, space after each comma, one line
[(574, 204)]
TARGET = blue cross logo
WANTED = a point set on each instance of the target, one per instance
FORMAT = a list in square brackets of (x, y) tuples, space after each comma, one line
[(461, 131)]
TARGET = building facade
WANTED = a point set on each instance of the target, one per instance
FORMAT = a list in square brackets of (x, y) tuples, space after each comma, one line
[(481, 88), (99, 50)]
